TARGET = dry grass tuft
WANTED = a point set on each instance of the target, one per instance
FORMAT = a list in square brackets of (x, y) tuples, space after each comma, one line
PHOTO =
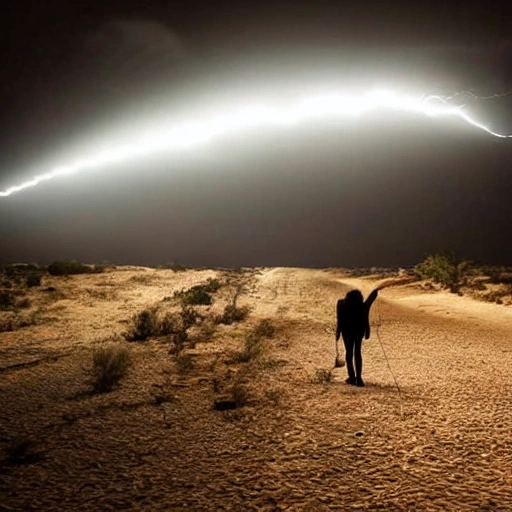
[(109, 366)]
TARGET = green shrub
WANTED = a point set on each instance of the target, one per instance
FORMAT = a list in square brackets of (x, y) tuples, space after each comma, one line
[(445, 269), (109, 366), (145, 325), (67, 267)]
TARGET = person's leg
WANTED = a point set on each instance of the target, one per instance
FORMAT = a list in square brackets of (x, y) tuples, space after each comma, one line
[(348, 341), (359, 361)]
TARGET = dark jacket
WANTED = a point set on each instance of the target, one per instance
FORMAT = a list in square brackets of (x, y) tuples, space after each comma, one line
[(354, 315)]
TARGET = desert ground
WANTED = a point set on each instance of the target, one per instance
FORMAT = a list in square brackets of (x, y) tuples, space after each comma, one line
[(430, 431)]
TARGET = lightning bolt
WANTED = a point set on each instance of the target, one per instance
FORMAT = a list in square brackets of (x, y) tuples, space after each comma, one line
[(326, 106)]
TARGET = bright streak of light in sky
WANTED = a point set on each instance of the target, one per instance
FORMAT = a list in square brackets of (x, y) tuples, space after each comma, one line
[(332, 106)]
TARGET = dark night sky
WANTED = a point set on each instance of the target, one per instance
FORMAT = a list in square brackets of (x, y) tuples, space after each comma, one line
[(384, 191)]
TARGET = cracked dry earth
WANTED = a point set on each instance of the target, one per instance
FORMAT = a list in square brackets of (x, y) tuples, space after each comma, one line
[(437, 438)]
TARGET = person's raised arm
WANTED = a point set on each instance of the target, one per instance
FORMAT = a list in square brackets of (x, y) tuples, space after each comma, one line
[(371, 298)]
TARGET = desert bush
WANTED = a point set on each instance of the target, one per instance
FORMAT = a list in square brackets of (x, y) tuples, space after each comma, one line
[(265, 329), (232, 314), (177, 340), (169, 324), (109, 366), (145, 325), (498, 275), (196, 296), (188, 316), (200, 294), (500, 294), (68, 267), (175, 327), (12, 322), (18, 272), (253, 347), (447, 270), (33, 279), (206, 331), (212, 285), (379, 272), (478, 285), (148, 323), (7, 300)]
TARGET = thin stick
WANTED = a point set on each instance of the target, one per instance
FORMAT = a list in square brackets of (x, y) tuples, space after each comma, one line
[(387, 361)]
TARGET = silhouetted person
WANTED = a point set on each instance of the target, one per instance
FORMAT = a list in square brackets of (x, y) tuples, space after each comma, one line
[(354, 323)]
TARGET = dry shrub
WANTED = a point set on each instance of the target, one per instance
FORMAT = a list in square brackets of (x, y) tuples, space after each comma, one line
[(34, 279), (145, 325), (109, 366), (206, 331), (233, 314), (177, 340), (12, 321), (253, 348), (7, 300), (199, 295), (265, 329)]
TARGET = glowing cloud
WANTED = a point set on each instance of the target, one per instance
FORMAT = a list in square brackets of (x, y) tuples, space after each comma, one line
[(326, 106)]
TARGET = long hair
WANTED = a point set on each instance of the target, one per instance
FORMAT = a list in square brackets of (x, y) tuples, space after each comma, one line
[(353, 298)]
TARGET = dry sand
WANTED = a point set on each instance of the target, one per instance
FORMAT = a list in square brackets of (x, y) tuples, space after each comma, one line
[(432, 429)]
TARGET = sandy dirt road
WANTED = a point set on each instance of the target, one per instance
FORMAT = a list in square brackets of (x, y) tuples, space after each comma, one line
[(432, 429)]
